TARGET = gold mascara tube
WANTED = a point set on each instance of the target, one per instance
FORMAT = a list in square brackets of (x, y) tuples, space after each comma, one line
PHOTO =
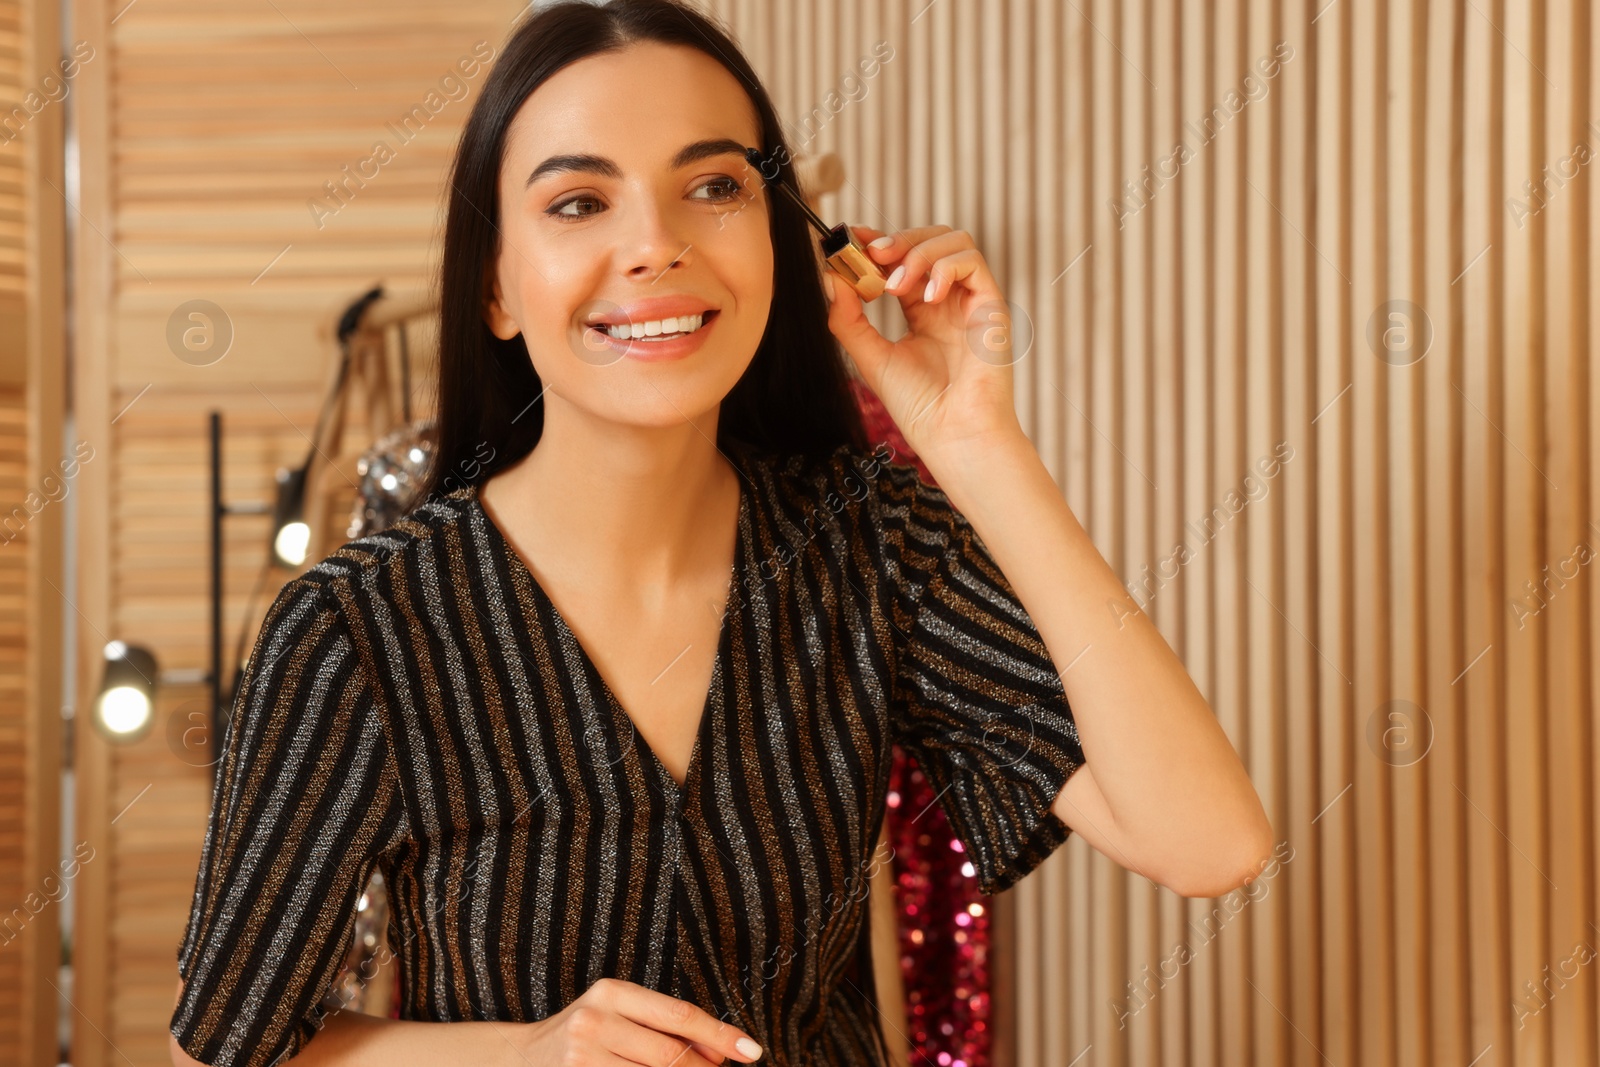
[(843, 251)]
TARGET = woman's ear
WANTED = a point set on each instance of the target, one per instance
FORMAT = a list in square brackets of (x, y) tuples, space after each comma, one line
[(500, 323)]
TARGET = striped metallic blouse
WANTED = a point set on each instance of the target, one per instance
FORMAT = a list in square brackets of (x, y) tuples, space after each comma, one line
[(415, 704)]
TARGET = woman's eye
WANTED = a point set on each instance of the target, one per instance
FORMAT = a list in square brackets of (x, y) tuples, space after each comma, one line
[(560, 210), (727, 189), (732, 189)]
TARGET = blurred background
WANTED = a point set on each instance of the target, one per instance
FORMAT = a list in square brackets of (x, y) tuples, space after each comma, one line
[(1302, 294)]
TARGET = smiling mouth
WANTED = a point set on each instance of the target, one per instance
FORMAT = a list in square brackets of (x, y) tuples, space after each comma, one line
[(665, 329)]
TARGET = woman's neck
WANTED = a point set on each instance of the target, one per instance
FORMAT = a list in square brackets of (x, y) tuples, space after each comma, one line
[(620, 507)]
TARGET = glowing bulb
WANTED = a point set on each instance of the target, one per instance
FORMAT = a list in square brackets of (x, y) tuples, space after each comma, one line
[(292, 542), (124, 709)]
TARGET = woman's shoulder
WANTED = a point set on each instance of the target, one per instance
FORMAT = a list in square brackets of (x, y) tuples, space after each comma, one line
[(875, 472), (872, 495), (365, 565)]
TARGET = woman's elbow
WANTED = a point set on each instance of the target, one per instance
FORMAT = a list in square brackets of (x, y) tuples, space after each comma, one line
[(1242, 858), (180, 1058)]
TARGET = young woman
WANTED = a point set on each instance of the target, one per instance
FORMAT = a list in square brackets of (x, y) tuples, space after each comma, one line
[(613, 708)]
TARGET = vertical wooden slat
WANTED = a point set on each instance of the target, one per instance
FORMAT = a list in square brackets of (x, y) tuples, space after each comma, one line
[(1260, 738), (1028, 127), (1571, 1023), (1195, 192), (1136, 463), (1169, 1020), (1333, 836), (1232, 602), (1037, 90), (93, 287), (906, 95), (1028, 121), (1519, 423), (1107, 937), (1083, 227), (1482, 672), (1371, 508), (1299, 892), (1587, 230), (1403, 547), (1443, 531)]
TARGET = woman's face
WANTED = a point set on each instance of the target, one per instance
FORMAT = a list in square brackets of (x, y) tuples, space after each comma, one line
[(635, 233)]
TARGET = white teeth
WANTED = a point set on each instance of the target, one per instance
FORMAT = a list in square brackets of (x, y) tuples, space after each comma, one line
[(661, 329)]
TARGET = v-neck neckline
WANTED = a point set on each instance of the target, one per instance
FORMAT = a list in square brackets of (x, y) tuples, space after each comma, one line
[(621, 720)]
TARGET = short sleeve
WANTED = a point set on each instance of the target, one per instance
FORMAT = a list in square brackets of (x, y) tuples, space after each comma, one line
[(979, 702), (304, 803)]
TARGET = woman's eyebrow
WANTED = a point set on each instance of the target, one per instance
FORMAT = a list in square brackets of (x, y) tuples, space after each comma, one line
[(606, 168)]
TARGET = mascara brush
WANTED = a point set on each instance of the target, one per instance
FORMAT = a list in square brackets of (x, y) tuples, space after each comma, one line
[(843, 251)]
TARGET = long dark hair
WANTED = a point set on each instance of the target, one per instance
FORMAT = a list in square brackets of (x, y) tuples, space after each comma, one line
[(795, 397)]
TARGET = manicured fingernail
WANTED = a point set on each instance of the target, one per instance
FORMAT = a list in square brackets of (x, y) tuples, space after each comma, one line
[(882, 242), (927, 294), (827, 284), (895, 278), (747, 1047)]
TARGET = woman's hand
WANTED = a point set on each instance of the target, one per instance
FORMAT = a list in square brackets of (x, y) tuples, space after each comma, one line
[(948, 381), (617, 1021)]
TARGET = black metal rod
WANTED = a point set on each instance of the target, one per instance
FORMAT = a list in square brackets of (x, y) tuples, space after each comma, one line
[(405, 375)]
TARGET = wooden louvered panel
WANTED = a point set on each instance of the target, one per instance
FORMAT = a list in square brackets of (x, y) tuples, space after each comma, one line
[(34, 493), (16, 114), (215, 126), (14, 612)]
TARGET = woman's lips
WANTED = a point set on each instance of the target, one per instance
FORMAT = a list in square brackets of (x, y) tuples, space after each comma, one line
[(645, 350)]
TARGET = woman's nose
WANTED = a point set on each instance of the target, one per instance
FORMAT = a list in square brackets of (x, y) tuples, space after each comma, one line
[(652, 266), (656, 246)]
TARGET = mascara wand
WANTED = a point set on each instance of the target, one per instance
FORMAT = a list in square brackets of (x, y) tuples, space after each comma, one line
[(843, 251)]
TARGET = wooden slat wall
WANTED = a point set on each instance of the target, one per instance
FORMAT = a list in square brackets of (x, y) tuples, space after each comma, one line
[(1176, 343), (1176, 347)]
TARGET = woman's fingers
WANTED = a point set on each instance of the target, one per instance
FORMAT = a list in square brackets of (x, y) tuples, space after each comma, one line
[(917, 259), (641, 1044), (674, 1018), (896, 244), (967, 266), (899, 240), (866, 234), (847, 319)]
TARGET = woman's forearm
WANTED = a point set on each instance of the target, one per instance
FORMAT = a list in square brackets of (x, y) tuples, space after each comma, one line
[(350, 1039)]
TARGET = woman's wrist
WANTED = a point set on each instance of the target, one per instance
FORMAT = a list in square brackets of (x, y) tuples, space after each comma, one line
[(502, 1044), (351, 1039)]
